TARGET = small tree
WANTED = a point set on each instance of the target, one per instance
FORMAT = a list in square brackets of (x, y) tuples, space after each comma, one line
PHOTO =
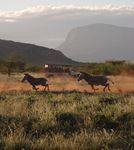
[(14, 62)]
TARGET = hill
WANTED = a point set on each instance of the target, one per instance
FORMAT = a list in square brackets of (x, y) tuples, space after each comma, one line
[(99, 42), (33, 54)]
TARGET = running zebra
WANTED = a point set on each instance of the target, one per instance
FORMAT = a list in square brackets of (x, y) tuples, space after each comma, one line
[(95, 80), (36, 81)]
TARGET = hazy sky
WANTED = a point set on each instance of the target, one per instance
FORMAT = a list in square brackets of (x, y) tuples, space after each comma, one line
[(47, 22), (10, 5)]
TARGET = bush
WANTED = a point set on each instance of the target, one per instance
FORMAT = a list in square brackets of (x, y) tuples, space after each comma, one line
[(107, 68), (33, 68)]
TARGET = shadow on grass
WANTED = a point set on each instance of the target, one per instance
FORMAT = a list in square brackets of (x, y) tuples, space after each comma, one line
[(66, 92), (14, 92), (65, 123), (126, 121), (123, 123), (69, 123), (103, 122), (115, 98)]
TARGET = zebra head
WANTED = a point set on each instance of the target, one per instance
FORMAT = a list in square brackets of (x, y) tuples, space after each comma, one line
[(80, 76), (26, 75)]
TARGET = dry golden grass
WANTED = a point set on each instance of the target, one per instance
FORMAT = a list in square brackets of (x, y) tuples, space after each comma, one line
[(122, 84)]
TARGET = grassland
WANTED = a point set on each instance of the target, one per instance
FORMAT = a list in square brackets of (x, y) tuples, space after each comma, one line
[(77, 121), (60, 119)]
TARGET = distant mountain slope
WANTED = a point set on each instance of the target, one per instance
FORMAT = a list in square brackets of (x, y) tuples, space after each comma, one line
[(33, 54), (99, 42)]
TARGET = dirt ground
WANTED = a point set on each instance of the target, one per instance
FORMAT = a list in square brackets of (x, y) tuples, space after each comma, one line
[(122, 84)]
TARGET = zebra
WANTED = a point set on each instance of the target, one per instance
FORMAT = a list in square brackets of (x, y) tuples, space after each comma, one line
[(36, 81), (95, 80)]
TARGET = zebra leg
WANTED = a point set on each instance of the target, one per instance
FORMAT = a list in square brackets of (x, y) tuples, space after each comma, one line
[(34, 87), (45, 88), (107, 85), (92, 86), (48, 87)]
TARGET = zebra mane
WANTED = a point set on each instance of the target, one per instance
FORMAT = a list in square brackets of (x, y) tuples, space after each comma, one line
[(86, 74), (26, 74)]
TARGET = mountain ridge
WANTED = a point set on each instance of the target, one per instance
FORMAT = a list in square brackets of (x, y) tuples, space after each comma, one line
[(33, 54), (99, 42)]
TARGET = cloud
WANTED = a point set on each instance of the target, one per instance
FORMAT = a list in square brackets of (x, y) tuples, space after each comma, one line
[(50, 10)]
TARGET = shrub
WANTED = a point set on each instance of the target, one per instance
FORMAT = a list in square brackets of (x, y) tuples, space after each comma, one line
[(33, 68), (106, 68)]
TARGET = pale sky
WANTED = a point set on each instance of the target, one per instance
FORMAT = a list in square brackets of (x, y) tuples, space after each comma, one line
[(47, 22), (13, 5)]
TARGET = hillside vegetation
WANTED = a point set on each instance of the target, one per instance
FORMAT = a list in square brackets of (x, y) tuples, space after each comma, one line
[(33, 54), (107, 68)]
